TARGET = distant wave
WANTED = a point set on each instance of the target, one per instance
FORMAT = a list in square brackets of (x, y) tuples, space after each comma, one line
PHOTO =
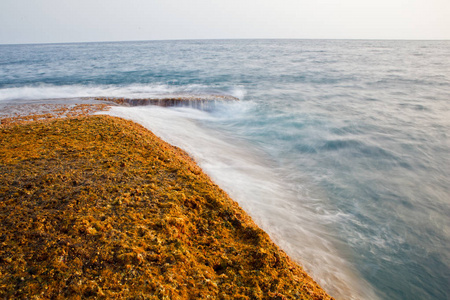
[(135, 91)]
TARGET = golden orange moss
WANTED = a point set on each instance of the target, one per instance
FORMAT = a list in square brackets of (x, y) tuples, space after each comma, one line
[(99, 207)]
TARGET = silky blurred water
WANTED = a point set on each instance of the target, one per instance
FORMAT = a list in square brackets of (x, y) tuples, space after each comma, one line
[(339, 149)]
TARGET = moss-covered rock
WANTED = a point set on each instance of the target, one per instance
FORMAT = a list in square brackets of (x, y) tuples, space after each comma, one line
[(99, 207)]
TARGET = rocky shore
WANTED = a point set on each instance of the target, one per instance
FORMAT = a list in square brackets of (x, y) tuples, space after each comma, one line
[(99, 207)]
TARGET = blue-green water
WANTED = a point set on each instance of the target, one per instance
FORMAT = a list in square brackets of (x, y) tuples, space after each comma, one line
[(339, 149)]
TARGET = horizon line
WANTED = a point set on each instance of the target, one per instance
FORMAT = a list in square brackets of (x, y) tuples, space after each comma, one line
[(221, 39)]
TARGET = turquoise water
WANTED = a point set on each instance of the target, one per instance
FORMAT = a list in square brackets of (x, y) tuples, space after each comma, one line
[(340, 150)]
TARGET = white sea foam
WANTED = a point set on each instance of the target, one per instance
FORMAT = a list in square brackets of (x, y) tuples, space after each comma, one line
[(250, 179), (127, 91)]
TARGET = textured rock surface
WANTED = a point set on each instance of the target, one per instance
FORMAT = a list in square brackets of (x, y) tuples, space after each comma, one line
[(99, 207)]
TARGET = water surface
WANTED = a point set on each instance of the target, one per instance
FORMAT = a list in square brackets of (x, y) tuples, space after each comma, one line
[(338, 149)]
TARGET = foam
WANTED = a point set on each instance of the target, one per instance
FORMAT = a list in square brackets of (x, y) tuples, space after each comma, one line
[(134, 91)]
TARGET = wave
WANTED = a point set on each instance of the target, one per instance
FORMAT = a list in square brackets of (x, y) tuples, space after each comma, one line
[(134, 91)]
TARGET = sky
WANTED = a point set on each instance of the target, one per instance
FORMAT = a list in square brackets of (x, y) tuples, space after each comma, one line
[(59, 21)]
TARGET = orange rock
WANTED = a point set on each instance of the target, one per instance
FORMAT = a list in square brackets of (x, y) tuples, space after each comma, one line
[(75, 224)]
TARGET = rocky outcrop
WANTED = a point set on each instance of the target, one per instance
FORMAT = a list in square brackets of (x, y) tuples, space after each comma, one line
[(100, 208)]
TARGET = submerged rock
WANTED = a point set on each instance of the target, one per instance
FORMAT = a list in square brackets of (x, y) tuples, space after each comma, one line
[(203, 102)]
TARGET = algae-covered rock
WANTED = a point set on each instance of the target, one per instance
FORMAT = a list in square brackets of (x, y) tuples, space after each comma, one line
[(99, 207)]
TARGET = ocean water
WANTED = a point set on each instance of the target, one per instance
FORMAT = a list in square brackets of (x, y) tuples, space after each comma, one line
[(340, 150)]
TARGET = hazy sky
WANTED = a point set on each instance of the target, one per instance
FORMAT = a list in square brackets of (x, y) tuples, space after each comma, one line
[(42, 21)]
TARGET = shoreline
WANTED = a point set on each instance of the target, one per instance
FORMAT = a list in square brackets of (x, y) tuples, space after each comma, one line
[(265, 254)]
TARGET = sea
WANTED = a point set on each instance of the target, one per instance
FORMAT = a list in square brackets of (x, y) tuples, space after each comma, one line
[(338, 149)]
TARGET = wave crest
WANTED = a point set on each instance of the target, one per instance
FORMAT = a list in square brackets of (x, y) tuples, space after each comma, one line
[(135, 91)]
